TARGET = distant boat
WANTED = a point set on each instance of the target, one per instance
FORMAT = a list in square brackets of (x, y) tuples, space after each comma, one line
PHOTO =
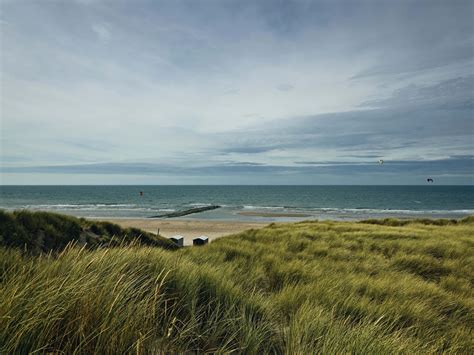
[(429, 180), (380, 161)]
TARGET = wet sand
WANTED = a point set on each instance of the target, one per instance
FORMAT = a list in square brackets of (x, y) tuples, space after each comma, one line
[(273, 214), (189, 229)]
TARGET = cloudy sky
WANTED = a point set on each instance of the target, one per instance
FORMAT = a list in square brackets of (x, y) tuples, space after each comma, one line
[(237, 92)]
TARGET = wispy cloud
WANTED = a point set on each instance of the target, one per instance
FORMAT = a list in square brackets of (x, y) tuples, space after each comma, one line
[(103, 33)]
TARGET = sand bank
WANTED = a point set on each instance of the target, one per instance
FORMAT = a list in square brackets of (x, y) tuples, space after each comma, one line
[(273, 214), (189, 228)]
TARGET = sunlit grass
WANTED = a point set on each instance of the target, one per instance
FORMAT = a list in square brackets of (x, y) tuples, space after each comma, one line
[(328, 287)]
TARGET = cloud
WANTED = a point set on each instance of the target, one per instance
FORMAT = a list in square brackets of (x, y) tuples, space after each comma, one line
[(455, 93), (235, 87), (102, 32), (285, 87), (455, 166)]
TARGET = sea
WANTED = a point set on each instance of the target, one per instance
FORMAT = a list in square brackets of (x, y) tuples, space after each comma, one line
[(267, 203)]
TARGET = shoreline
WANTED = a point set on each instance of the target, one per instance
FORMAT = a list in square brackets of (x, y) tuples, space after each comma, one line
[(274, 214), (257, 216)]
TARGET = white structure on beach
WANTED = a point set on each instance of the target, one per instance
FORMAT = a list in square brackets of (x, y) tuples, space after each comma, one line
[(201, 240), (178, 239)]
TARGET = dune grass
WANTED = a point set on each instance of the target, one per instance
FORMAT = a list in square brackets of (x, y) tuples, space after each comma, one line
[(327, 287), (39, 232)]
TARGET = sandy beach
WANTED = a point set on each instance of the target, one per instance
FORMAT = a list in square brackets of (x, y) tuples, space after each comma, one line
[(189, 229)]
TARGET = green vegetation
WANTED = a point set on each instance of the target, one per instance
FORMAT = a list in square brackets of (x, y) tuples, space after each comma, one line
[(42, 232), (328, 287)]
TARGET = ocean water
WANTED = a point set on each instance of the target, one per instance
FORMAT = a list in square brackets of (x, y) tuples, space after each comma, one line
[(319, 202)]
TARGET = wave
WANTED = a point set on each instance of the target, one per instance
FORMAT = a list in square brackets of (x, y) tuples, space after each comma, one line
[(389, 211), (83, 206), (104, 207), (359, 210), (124, 209)]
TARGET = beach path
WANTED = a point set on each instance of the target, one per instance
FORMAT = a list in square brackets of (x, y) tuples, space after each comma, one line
[(189, 228)]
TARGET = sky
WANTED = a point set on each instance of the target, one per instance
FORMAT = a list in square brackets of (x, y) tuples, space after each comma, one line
[(236, 92)]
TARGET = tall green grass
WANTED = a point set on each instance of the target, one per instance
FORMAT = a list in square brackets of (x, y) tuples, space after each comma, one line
[(119, 300), (311, 287)]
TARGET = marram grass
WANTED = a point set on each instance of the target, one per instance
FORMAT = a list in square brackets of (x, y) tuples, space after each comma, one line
[(130, 299), (311, 287)]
